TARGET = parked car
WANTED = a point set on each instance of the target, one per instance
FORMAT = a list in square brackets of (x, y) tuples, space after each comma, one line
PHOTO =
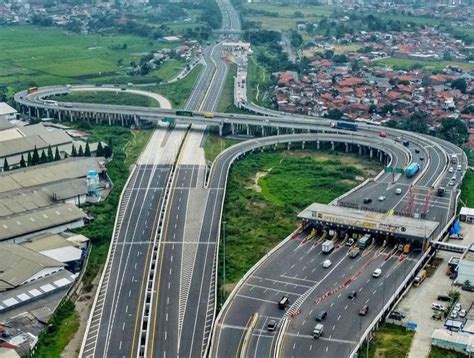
[(451, 170), (367, 200), (350, 242), (454, 314), (364, 310), (396, 315), (438, 307), (462, 313), (382, 198), (321, 316), (444, 298)]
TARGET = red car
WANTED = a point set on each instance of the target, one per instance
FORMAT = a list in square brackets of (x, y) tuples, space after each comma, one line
[(364, 310), (382, 134)]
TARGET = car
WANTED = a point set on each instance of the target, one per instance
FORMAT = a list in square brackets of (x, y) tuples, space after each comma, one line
[(438, 307), (417, 151), (364, 310), (406, 143), (457, 307), (284, 302), (437, 316), (398, 139), (367, 200), (398, 316), (454, 314), (271, 326), (350, 242), (462, 313), (352, 295), (398, 191), (377, 273), (451, 183), (327, 263), (454, 177), (382, 134), (444, 298), (382, 198), (321, 316), (459, 167), (451, 170), (422, 158)]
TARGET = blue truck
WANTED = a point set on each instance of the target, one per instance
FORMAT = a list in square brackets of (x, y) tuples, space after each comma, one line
[(365, 241), (350, 126), (412, 169)]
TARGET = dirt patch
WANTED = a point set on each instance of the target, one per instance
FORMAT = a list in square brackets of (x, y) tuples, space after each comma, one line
[(257, 176), (229, 287), (83, 307)]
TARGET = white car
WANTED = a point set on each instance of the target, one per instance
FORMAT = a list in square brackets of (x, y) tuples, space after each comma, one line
[(459, 167), (454, 314), (327, 263), (454, 177), (398, 191), (457, 307), (451, 170), (350, 242), (437, 307), (377, 273), (382, 198), (451, 183), (462, 313)]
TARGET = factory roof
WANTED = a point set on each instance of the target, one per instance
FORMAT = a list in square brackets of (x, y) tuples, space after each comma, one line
[(43, 174), (5, 124), (38, 220), (67, 189), (45, 242), (6, 109), (369, 221), (18, 264), (17, 201)]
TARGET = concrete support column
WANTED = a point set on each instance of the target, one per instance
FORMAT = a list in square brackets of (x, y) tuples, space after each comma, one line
[(135, 118), (288, 147), (121, 119), (263, 131), (360, 149), (380, 155), (232, 128), (318, 144), (248, 129), (371, 152), (29, 112), (278, 130), (221, 127), (347, 147), (302, 145), (332, 145), (59, 115)]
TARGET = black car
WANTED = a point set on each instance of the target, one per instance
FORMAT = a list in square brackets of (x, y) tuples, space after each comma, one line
[(321, 316), (417, 151), (444, 298), (271, 325), (367, 200), (406, 143), (352, 295), (422, 158), (398, 316)]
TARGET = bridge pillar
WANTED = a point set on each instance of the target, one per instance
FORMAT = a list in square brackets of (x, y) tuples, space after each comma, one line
[(135, 118), (347, 147), (332, 145), (360, 149), (318, 144), (263, 131), (221, 127), (121, 119), (29, 112), (288, 147), (248, 129), (302, 145), (293, 130), (380, 155), (371, 152), (262, 148), (232, 128), (47, 112), (59, 115), (278, 130)]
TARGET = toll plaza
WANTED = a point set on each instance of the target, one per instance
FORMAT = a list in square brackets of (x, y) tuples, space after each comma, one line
[(388, 226)]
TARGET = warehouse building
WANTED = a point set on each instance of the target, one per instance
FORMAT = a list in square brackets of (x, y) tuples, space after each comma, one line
[(7, 113), (466, 215)]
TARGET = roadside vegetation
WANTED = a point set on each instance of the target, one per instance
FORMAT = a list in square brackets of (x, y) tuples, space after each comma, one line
[(105, 97), (215, 145), (61, 328), (227, 100), (266, 191), (259, 81), (467, 189), (178, 92), (390, 341), (437, 352)]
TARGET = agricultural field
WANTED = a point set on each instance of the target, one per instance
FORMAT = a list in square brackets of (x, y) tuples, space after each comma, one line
[(46, 56), (408, 64), (102, 97)]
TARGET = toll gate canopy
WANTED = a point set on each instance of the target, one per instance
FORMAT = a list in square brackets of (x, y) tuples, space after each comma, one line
[(385, 224)]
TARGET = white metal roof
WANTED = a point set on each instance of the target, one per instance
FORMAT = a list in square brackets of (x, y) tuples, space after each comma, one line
[(466, 211), (6, 109), (64, 254)]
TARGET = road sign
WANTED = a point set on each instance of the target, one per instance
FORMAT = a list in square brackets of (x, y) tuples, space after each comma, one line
[(399, 170), (411, 326), (388, 169)]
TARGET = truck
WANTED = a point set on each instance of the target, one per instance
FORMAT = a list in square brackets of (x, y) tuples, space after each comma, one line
[(32, 90), (419, 278), (327, 246), (208, 115), (406, 248), (354, 252), (365, 241), (318, 330), (412, 169), (350, 126), (184, 113), (454, 158)]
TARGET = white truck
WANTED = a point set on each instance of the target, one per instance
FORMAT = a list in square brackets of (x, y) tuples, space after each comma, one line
[(318, 331), (327, 247)]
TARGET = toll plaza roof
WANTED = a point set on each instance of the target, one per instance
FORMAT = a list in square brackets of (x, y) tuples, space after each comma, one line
[(369, 221)]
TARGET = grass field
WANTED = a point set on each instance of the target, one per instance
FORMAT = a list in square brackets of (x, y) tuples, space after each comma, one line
[(170, 69), (102, 97), (390, 341), (178, 92), (215, 144), (260, 210), (259, 81), (227, 100), (407, 64), (46, 56), (63, 325), (437, 352)]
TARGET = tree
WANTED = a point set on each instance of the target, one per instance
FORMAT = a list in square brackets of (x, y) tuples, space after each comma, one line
[(100, 150), (454, 131), (22, 161), (73, 151), (334, 114), (80, 152), (108, 151), (459, 84), (29, 160), (417, 123), (6, 167), (50, 157), (372, 108), (43, 159), (35, 158), (87, 151), (57, 156)]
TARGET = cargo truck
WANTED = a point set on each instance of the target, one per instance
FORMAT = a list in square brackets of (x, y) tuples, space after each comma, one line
[(318, 330), (365, 241), (354, 252), (350, 126), (327, 246), (412, 169), (419, 278)]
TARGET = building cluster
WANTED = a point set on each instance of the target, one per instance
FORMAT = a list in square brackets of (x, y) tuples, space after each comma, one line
[(40, 259)]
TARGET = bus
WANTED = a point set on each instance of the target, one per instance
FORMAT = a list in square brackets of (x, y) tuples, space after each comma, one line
[(454, 159), (365, 241), (50, 102), (350, 126), (412, 169), (32, 90), (208, 115), (184, 113)]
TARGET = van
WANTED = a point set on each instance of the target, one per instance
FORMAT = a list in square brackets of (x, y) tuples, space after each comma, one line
[(398, 191), (284, 301), (318, 330), (459, 167)]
